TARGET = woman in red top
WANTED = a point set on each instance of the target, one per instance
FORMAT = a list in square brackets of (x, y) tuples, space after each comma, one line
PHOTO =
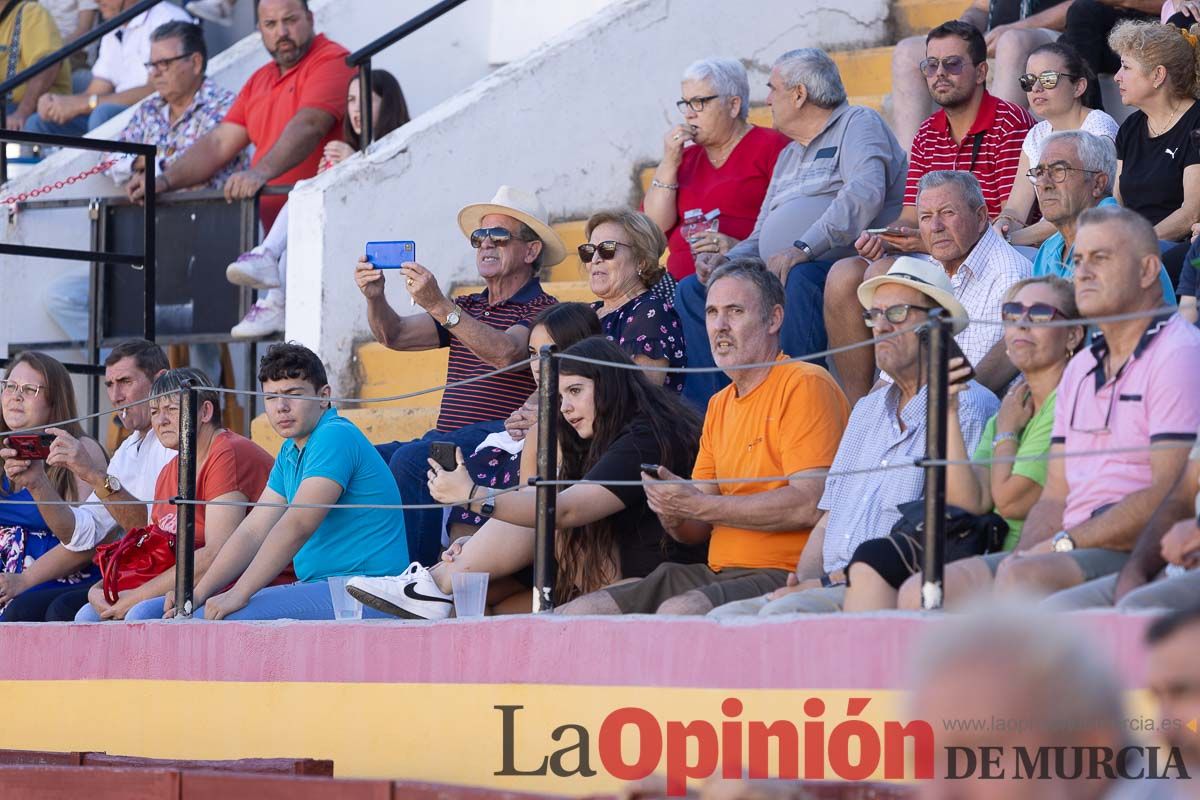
[(228, 467), (727, 167)]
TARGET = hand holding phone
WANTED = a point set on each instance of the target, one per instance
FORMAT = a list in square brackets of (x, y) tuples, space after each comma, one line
[(445, 454), (31, 446), (885, 231), (651, 470), (391, 255)]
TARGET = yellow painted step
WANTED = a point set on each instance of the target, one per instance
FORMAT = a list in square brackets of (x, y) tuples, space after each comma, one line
[(380, 425), (919, 16), (865, 72)]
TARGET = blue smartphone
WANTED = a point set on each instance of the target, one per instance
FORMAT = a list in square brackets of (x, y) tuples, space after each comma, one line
[(390, 255)]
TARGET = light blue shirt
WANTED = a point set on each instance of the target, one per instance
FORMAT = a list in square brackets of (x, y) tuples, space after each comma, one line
[(1050, 261), (349, 541)]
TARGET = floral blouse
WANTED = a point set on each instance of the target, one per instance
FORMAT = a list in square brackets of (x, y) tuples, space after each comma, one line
[(648, 326)]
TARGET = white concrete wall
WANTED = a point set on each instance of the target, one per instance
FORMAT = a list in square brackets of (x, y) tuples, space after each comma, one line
[(523, 25), (572, 121), (433, 64)]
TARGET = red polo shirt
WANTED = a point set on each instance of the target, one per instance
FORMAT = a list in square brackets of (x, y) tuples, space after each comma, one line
[(991, 150), (270, 99)]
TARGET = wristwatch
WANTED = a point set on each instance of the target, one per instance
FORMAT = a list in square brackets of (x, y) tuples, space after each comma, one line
[(93, 101), (453, 318), (801, 245), (112, 485), (489, 505), (1062, 542)]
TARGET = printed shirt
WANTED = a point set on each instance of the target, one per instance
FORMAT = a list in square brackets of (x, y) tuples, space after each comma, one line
[(151, 124), (999, 129), (498, 396), (1154, 397), (862, 506)]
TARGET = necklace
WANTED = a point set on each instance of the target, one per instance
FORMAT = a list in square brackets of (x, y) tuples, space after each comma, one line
[(720, 161), (1170, 122)]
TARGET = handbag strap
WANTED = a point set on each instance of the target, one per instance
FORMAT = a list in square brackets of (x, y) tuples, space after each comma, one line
[(14, 44)]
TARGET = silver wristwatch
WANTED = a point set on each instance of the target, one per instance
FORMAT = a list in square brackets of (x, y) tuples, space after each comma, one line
[(1062, 542), (453, 318)]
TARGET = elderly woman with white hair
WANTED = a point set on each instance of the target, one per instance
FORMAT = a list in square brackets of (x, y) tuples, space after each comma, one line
[(713, 161), (842, 172)]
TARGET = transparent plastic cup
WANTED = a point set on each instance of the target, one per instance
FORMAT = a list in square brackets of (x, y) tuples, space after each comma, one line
[(470, 593), (344, 605)]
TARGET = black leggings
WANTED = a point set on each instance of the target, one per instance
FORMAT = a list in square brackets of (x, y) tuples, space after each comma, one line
[(58, 603)]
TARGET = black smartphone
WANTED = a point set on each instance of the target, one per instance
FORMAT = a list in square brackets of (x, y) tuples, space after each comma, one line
[(956, 352), (651, 470), (444, 454)]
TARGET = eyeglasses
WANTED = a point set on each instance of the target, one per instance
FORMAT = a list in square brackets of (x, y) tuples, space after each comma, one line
[(1057, 172), (896, 314), (163, 63), (952, 64), (1112, 399), (695, 103), (26, 390), (607, 250), (1038, 313), (1048, 79), (499, 236)]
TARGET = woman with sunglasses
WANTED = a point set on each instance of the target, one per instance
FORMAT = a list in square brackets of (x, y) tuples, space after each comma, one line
[(611, 422), (35, 569), (885, 571), (1158, 157), (621, 258), (1064, 92), (727, 167)]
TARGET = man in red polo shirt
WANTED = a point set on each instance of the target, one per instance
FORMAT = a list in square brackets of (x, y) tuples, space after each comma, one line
[(972, 131), (289, 109)]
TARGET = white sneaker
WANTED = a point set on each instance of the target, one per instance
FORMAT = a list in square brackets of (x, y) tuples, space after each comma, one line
[(413, 594), (257, 269), (218, 11), (261, 320)]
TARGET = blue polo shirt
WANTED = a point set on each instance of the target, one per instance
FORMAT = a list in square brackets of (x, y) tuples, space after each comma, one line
[(349, 541), (1051, 261)]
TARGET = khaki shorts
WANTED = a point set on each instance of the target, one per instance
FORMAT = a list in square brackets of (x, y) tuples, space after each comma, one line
[(1096, 562), (671, 579)]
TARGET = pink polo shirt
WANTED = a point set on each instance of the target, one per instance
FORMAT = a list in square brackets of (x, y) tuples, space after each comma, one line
[(1155, 397)]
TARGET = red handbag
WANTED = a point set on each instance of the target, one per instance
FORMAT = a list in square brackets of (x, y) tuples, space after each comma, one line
[(140, 555)]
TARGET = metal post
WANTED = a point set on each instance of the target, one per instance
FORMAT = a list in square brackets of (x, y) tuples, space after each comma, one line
[(149, 261), (547, 469), (185, 539), (94, 333), (3, 145), (366, 96), (935, 450)]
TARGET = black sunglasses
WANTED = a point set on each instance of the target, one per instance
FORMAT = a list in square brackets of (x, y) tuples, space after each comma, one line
[(607, 250), (1037, 313), (952, 64), (499, 236), (1048, 79), (896, 314)]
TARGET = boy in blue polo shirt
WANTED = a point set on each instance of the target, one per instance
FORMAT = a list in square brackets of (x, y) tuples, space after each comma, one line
[(325, 460)]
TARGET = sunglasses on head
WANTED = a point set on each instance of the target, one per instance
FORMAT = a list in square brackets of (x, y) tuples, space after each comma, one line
[(1038, 312), (952, 64), (607, 250), (1048, 79), (896, 314), (499, 236)]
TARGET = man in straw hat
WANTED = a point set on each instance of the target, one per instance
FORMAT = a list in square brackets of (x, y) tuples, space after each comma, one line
[(887, 427), (485, 331)]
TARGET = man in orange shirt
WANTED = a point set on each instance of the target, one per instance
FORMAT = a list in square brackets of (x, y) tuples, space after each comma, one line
[(289, 110), (780, 423)]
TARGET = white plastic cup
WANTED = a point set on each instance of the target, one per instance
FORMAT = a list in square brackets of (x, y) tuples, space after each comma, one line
[(345, 606), (470, 593)]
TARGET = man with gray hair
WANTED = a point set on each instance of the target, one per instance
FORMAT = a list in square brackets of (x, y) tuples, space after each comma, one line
[(1076, 172), (842, 172), (783, 419)]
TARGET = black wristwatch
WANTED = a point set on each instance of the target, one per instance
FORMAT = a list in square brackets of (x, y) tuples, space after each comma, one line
[(800, 244), (489, 505)]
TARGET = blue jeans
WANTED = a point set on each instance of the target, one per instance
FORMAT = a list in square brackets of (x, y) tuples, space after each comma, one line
[(803, 326), (145, 610), (409, 464), (302, 601), (75, 127)]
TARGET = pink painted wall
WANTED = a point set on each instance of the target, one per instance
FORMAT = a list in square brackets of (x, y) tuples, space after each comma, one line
[(826, 652)]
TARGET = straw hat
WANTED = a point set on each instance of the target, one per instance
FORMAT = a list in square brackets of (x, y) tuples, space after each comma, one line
[(521, 205), (927, 278)]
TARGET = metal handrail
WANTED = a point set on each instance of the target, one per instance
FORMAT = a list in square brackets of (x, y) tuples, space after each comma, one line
[(361, 58), (64, 52)]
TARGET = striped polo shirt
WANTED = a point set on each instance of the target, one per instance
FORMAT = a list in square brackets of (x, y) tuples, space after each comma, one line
[(496, 397), (991, 150)]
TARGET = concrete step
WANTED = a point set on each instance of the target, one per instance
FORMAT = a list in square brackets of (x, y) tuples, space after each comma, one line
[(865, 72), (919, 16)]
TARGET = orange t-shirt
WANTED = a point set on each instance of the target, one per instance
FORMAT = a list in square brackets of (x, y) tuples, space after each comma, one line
[(234, 464), (791, 422), (269, 101)]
